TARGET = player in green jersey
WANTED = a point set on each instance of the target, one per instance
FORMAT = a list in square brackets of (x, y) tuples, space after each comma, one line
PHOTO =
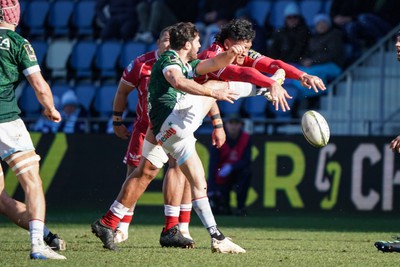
[(17, 59)]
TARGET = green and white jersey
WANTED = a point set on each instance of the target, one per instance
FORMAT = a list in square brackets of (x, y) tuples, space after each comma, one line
[(17, 58), (161, 95)]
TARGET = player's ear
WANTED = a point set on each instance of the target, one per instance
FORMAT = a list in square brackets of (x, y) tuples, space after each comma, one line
[(227, 44), (188, 45)]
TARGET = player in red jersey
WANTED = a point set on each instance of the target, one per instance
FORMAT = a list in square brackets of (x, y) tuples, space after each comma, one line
[(251, 66), (137, 75)]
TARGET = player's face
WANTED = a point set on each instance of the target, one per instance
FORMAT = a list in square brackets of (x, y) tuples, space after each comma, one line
[(163, 42), (398, 47), (247, 45), (195, 48)]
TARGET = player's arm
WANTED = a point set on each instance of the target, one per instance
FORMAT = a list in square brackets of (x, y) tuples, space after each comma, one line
[(44, 95), (119, 105), (175, 77), (395, 144), (218, 136), (219, 61)]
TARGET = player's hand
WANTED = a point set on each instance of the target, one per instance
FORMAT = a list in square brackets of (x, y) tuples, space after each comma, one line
[(279, 96), (52, 114), (121, 131), (311, 81), (224, 94), (395, 144), (237, 50), (218, 137)]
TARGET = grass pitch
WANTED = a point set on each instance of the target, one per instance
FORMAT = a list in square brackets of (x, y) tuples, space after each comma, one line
[(270, 238)]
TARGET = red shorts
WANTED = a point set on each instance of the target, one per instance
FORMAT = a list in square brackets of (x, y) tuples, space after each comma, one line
[(134, 151)]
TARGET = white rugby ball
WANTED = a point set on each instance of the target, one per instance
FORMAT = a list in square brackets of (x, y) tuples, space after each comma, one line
[(315, 128)]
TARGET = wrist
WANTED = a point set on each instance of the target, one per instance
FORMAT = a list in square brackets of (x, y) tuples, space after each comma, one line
[(117, 118), (217, 121), (207, 91)]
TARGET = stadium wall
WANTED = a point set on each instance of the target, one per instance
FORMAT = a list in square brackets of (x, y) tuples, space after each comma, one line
[(349, 174)]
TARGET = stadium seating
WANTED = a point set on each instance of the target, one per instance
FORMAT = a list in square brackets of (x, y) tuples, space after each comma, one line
[(40, 47), (85, 94), (103, 101), (59, 88), (259, 10), (59, 17), (255, 107), (57, 58), (28, 102), (227, 108), (35, 17), (277, 18), (83, 17), (82, 57), (130, 51), (107, 55), (310, 8)]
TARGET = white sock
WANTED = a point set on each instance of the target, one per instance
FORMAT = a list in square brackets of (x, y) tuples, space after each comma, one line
[(184, 226), (124, 226), (243, 89), (36, 232), (172, 211), (203, 209), (118, 209)]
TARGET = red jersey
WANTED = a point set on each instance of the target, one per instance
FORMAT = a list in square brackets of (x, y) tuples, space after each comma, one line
[(137, 74), (251, 69)]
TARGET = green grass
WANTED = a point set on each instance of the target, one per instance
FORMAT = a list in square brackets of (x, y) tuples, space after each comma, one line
[(270, 238)]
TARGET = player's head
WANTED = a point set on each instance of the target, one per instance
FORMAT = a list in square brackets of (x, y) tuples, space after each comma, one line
[(9, 11), (184, 35), (163, 40), (398, 45), (237, 31)]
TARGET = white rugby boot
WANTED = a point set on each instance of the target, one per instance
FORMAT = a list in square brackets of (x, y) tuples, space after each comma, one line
[(225, 246)]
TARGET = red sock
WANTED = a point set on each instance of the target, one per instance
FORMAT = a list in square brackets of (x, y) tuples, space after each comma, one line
[(127, 219), (170, 221), (110, 220), (184, 216)]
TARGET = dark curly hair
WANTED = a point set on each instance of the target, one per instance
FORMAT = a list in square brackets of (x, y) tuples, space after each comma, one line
[(236, 29), (180, 33)]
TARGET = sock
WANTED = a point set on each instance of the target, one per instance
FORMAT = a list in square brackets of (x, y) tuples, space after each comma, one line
[(184, 217), (171, 216), (215, 233), (125, 222), (36, 232), (46, 231), (243, 89), (203, 209), (114, 215)]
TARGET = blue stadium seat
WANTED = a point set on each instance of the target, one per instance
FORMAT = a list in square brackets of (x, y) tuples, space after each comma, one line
[(35, 17), (57, 57), (228, 108), (310, 8), (255, 107), (82, 58), (108, 53), (133, 100), (130, 51), (59, 17), (28, 102), (59, 88), (40, 47), (277, 19), (85, 94), (83, 16), (259, 10), (103, 100)]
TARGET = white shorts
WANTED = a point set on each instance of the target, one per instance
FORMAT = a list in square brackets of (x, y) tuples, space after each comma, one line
[(14, 137), (176, 134)]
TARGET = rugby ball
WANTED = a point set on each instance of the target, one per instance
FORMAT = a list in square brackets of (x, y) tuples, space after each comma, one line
[(315, 128)]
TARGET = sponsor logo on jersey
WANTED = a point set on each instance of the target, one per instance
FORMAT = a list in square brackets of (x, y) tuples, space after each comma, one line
[(31, 53), (167, 134), (4, 43)]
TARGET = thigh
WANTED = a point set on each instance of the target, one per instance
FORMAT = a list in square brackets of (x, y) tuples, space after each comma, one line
[(14, 137)]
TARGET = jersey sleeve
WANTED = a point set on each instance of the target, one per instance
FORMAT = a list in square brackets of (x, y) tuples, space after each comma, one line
[(131, 74), (27, 59), (270, 65)]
